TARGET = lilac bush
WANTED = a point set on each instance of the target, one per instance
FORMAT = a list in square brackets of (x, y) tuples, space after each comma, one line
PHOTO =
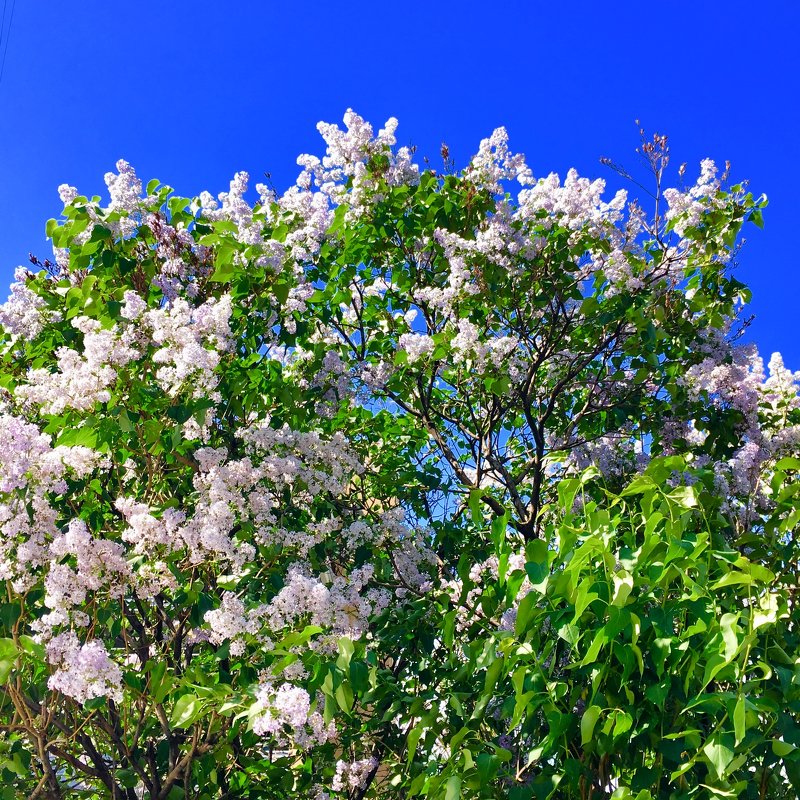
[(401, 483)]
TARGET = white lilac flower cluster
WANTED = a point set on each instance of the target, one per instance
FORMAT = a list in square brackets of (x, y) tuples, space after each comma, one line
[(460, 276), (284, 714), (125, 190), (416, 346), (686, 209), (341, 605), (233, 207), (354, 774), (83, 671), (24, 314), (250, 489), (311, 215), (729, 377), (190, 342), (494, 163), (31, 473), (509, 235), (149, 534), (576, 204), (308, 206), (182, 262), (335, 380), (83, 378), (615, 455), (469, 345), (100, 565), (292, 457), (408, 548), (347, 154), (482, 575), (733, 376), (124, 211), (233, 622), (375, 376)]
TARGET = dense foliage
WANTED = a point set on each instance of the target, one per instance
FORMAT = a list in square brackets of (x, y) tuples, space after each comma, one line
[(402, 483)]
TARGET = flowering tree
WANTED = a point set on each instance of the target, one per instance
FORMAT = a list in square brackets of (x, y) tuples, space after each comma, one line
[(397, 484)]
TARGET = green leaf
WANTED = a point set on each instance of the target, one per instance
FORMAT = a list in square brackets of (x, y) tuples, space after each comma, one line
[(453, 791), (72, 437), (344, 697), (526, 607), (186, 710), (8, 649), (346, 649), (719, 754), (499, 527), (684, 496), (739, 719), (412, 740), (281, 290), (474, 503), (537, 564), (782, 749), (727, 624), (16, 766), (639, 485), (359, 676), (32, 647), (732, 579), (601, 637), (127, 778), (570, 634), (623, 585), (6, 668), (223, 273), (588, 722), (160, 682)]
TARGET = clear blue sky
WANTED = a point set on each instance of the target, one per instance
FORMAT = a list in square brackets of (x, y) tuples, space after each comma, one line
[(192, 92)]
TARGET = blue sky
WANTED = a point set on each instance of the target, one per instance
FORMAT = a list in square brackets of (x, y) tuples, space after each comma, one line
[(192, 92)]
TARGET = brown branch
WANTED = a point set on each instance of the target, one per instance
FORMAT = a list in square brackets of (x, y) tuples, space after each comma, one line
[(196, 748)]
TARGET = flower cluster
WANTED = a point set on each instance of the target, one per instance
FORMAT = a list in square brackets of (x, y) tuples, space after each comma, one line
[(337, 605), (615, 455), (485, 575), (83, 671), (190, 341), (353, 775), (285, 715), (83, 379), (494, 163), (100, 564), (24, 313), (347, 156), (576, 204), (686, 209), (415, 345), (33, 474)]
